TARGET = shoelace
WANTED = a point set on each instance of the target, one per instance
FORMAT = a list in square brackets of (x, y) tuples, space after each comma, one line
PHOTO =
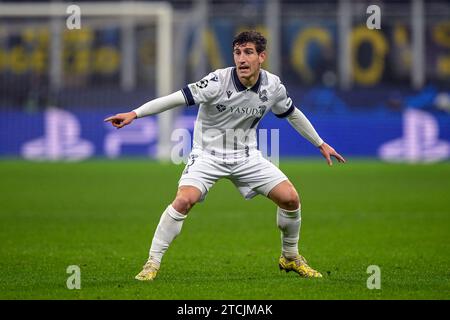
[(304, 264), (150, 265), (299, 260)]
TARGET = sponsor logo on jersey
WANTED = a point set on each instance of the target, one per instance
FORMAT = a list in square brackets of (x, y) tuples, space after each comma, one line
[(229, 93), (214, 78), (244, 111), (247, 111)]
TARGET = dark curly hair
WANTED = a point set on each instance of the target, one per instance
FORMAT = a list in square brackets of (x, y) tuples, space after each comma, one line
[(253, 37)]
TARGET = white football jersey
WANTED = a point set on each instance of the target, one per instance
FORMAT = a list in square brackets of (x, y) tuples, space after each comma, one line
[(229, 112)]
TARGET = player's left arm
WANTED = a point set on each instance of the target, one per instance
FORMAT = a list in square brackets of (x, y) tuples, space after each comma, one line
[(285, 108), (303, 126)]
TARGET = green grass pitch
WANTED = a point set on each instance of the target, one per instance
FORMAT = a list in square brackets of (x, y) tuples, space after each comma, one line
[(101, 215)]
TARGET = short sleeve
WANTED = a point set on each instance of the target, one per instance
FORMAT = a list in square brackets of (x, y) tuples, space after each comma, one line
[(283, 106), (204, 91)]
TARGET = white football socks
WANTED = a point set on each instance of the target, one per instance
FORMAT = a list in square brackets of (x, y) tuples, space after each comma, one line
[(168, 228), (289, 224)]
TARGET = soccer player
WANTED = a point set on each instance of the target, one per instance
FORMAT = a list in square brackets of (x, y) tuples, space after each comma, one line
[(231, 103)]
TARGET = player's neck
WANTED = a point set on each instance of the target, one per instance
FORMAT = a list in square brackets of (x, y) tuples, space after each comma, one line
[(249, 82)]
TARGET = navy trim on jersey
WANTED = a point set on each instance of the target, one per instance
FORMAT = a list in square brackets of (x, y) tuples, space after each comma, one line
[(255, 87), (237, 84), (188, 96), (287, 113), (240, 87)]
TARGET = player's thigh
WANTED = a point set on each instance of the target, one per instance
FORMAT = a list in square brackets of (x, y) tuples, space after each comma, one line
[(201, 172), (257, 175)]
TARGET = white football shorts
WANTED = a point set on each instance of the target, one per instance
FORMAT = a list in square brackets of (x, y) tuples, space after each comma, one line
[(252, 175)]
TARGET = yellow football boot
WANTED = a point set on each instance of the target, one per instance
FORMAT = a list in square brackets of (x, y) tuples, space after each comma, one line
[(298, 265), (148, 272)]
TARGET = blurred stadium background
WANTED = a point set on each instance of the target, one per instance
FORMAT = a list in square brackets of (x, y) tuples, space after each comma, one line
[(377, 94), (372, 93)]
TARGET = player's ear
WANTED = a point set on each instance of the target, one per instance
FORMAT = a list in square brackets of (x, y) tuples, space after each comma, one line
[(262, 57)]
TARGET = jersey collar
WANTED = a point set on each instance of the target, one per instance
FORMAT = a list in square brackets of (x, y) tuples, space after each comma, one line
[(240, 87)]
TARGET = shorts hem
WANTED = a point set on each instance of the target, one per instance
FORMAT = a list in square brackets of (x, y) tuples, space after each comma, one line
[(266, 188)]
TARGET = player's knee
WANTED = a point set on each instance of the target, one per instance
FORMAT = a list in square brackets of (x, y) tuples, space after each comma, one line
[(183, 204), (290, 201)]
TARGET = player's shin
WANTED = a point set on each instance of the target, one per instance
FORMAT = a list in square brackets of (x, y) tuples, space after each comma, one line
[(289, 224), (168, 228)]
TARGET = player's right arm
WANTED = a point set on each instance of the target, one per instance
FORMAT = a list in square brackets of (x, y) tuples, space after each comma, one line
[(205, 90), (152, 107)]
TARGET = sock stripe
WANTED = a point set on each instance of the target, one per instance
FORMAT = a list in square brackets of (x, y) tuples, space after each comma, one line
[(174, 214)]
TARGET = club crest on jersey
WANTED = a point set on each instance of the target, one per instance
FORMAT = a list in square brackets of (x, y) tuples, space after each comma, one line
[(263, 95), (229, 93), (202, 83), (220, 107)]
